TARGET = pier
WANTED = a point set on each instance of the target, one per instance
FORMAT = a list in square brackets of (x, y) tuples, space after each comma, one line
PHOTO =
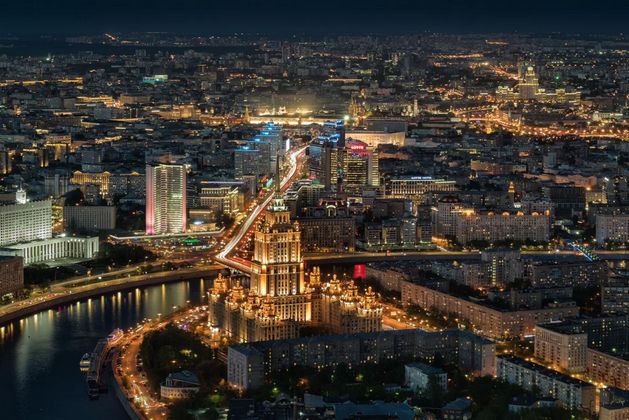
[(97, 360)]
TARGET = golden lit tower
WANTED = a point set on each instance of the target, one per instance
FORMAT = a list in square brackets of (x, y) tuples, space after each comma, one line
[(277, 266), (529, 85)]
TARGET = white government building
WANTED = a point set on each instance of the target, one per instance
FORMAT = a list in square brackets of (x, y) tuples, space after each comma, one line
[(25, 222), (26, 231), (79, 248)]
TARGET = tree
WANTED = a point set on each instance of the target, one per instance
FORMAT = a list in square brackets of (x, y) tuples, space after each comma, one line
[(171, 350), (122, 254), (434, 392), (225, 220)]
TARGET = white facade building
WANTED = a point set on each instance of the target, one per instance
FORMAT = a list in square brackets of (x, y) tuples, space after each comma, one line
[(571, 393), (418, 376), (53, 249), (179, 385), (613, 228), (563, 346), (25, 222), (244, 367), (376, 138)]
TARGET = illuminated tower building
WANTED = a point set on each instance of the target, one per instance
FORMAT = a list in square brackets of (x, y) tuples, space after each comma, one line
[(329, 166), (515, 199), (277, 266), (325, 154), (279, 301), (529, 85), (324, 160), (165, 199), (259, 156), (360, 166)]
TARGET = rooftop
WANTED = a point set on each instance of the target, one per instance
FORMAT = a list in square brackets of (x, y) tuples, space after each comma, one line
[(544, 371), (427, 369)]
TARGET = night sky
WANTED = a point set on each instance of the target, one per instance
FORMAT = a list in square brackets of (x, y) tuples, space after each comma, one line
[(282, 17)]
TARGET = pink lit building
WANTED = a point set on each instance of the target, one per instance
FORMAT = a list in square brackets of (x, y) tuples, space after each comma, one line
[(165, 199)]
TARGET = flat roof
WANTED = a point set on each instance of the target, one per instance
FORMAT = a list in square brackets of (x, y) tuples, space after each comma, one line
[(544, 371)]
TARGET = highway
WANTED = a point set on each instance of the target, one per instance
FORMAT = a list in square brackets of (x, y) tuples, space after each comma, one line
[(222, 256)]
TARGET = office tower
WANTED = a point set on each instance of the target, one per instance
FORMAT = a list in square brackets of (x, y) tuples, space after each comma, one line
[(277, 267), (55, 185), (246, 162), (269, 141), (329, 166), (360, 166), (267, 156), (324, 160), (259, 156), (165, 199)]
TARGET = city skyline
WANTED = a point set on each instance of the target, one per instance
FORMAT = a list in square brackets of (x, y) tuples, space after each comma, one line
[(374, 219)]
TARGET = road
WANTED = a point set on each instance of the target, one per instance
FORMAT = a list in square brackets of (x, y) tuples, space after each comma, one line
[(357, 257), (63, 293), (127, 370), (222, 256), (396, 318), (63, 287), (124, 363)]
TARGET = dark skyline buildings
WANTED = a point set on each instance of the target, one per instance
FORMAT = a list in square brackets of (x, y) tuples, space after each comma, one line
[(285, 17)]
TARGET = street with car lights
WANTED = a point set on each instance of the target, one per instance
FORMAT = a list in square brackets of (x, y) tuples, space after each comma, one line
[(295, 161)]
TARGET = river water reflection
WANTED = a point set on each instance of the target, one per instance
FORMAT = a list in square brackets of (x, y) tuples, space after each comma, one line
[(39, 355)]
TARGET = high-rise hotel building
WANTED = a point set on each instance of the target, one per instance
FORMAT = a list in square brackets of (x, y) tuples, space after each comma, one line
[(165, 199), (279, 300), (277, 267)]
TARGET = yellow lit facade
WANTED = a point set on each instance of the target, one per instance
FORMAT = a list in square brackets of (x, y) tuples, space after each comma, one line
[(279, 300)]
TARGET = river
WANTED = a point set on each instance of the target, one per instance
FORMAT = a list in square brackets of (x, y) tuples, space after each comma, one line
[(39, 355)]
